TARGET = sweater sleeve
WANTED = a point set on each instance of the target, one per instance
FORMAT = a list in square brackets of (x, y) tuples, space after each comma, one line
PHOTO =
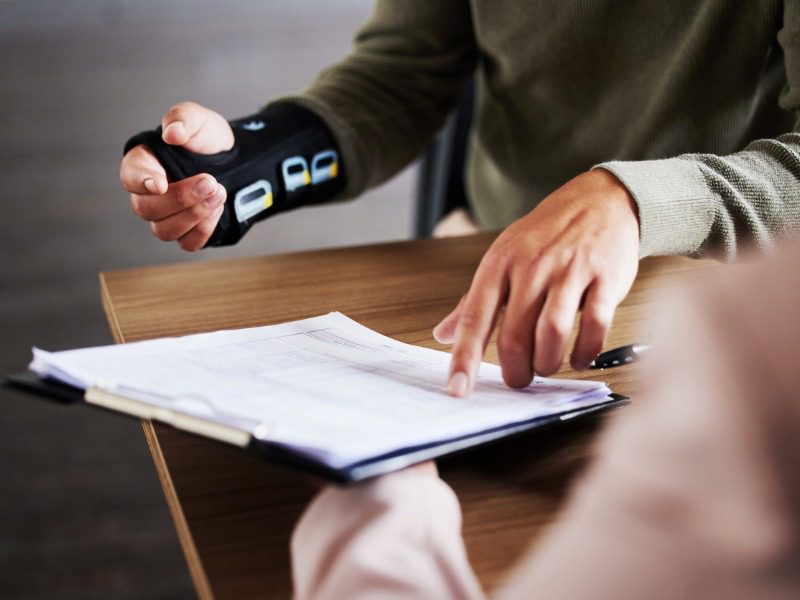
[(703, 204), (397, 536), (386, 101)]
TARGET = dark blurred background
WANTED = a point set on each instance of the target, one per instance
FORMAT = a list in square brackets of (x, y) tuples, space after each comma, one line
[(83, 515)]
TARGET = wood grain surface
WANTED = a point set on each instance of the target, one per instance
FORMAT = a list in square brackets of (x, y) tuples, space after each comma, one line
[(234, 513)]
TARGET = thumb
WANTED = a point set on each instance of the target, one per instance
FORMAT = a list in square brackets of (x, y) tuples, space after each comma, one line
[(196, 128), (445, 331)]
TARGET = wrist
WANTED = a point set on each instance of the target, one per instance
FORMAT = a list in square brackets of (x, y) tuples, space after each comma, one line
[(673, 200), (617, 195), (616, 191)]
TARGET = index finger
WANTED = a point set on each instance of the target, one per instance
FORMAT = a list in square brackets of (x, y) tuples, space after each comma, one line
[(197, 191), (141, 173), (475, 324)]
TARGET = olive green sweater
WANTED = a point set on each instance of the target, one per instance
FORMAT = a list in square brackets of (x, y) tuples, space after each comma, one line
[(690, 103)]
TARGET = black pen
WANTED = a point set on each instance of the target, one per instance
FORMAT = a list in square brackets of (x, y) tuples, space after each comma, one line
[(619, 356)]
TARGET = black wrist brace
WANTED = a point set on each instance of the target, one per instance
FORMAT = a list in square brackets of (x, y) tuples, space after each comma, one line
[(282, 158)]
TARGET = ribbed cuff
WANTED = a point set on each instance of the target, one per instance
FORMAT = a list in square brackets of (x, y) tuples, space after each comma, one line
[(676, 207)]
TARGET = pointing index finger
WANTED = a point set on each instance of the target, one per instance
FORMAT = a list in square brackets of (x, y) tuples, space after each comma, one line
[(475, 324)]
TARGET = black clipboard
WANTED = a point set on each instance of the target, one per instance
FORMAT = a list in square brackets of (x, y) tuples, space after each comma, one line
[(57, 391)]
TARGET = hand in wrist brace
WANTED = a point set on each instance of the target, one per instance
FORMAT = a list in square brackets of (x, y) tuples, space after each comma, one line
[(282, 158)]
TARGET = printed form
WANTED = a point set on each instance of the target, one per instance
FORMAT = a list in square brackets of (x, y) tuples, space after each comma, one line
[(327, 386)]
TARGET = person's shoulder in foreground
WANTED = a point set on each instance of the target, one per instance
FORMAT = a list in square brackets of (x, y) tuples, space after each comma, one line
[(696, 491)]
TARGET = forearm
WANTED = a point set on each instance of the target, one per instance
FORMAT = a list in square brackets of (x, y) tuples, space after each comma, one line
[(386, 101)]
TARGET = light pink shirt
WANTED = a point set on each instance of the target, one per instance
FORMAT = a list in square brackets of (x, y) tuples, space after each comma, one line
[(695, 494)]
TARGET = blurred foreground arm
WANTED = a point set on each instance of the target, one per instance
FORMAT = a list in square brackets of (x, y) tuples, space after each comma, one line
[(696, 492), (397, 536)]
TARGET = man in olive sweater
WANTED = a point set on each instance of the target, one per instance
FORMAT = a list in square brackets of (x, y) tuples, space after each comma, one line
[(669, 127)]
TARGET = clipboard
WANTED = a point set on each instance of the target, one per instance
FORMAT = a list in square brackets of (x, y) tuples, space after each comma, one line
[(50, 389)]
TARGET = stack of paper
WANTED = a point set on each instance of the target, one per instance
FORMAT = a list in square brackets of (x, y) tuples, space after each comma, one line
[(326, 388)]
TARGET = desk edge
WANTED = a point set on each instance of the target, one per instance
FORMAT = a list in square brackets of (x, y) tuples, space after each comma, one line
[(108, 309), (190, 553)]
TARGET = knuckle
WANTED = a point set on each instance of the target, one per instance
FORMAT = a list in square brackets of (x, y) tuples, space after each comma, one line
[(142, 207), (465, 356), (568, 260), (595, 319), (553, 328), (161, 232), (182, 111), (501, 253), (184, 197), (596, 264), (137, 205), (564, 256), (205, 229), (175, 112), (218, 199), (546, 262), (538, 268), (470, 319), (197, 212)]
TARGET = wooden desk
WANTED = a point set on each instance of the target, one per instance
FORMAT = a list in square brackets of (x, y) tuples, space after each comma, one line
[(233, 512)]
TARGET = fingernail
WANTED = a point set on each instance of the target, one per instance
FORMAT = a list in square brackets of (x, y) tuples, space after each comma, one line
[(150, 185), (215, 200), (458, 384), (435, 333), (203, 188), (176, 127)]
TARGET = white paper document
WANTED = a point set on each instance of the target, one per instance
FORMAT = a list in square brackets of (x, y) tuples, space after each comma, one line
[(327, 387)]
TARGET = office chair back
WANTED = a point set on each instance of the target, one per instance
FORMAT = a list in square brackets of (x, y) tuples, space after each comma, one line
[(440, 183)]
